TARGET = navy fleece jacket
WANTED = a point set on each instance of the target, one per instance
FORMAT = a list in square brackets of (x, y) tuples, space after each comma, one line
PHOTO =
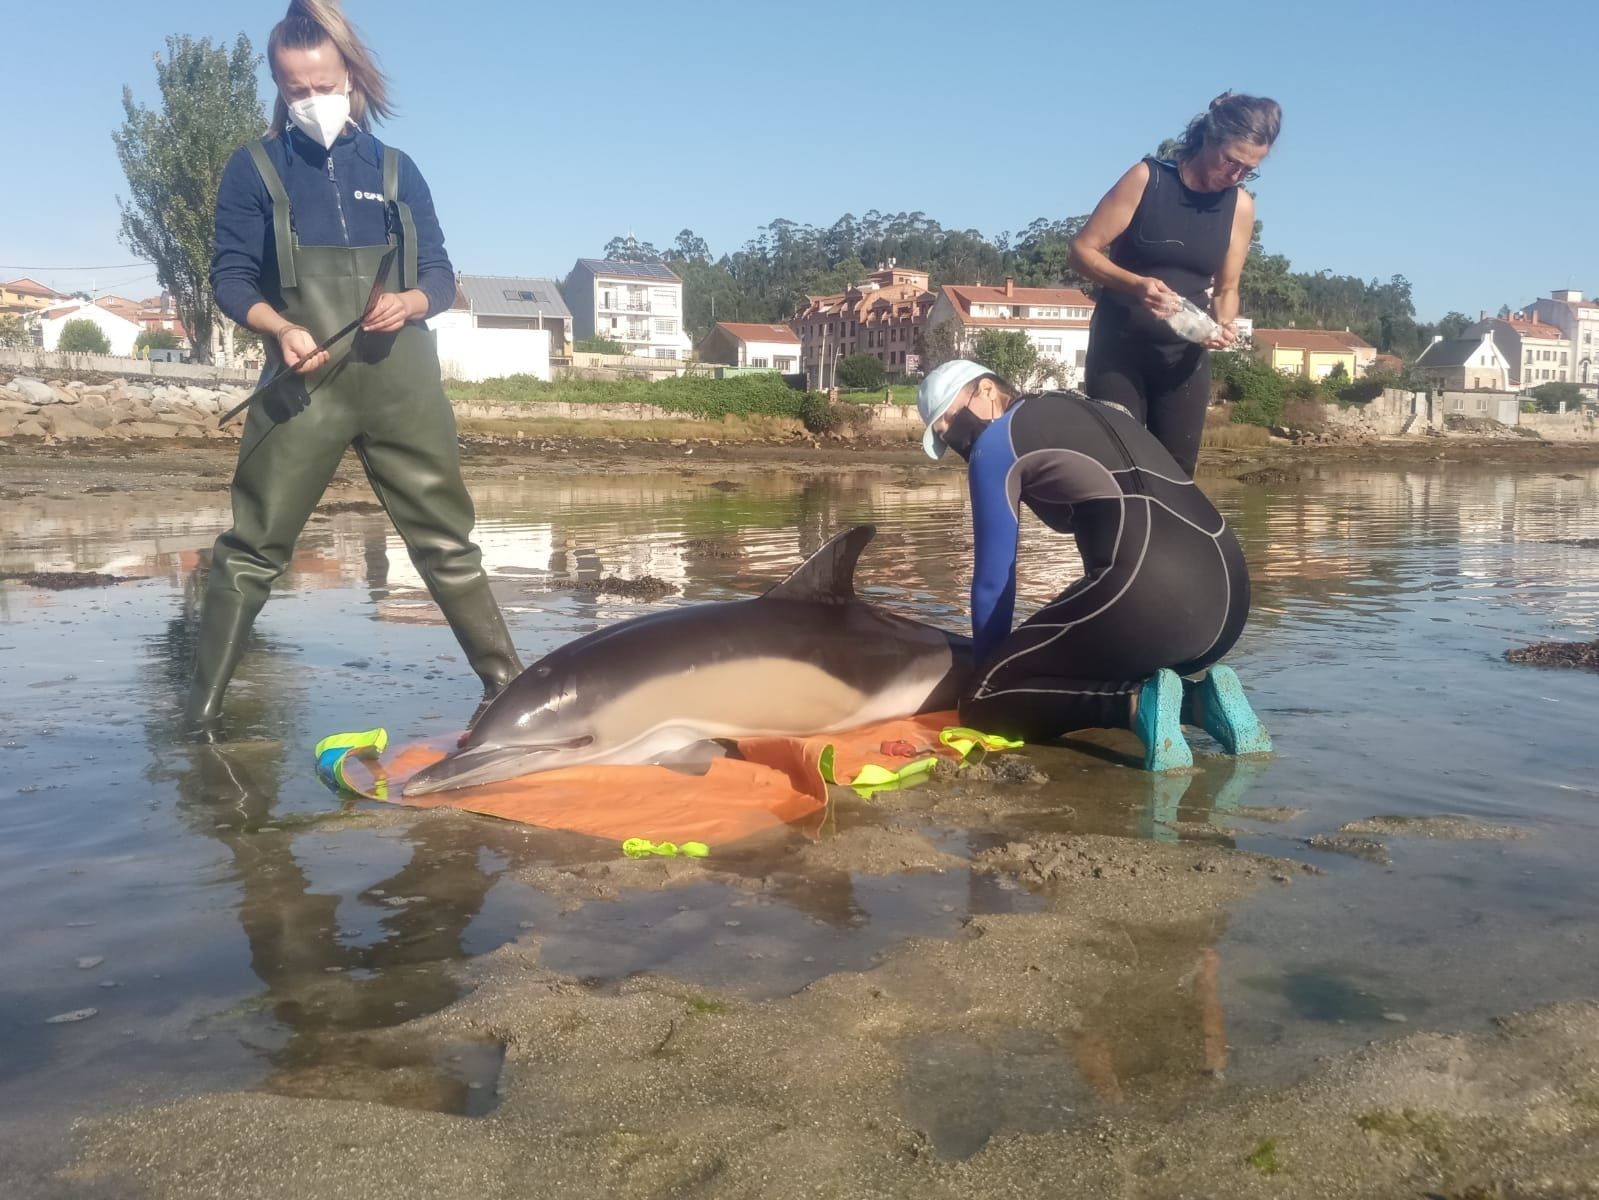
[(337, 200)]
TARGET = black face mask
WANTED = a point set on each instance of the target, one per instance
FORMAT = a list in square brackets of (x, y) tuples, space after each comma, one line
[(964, 428)]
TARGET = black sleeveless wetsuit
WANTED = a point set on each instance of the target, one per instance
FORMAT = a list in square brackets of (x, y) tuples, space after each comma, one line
[(1180, 237), (1164, 581)]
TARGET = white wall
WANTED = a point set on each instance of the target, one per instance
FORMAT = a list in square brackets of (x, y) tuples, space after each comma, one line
[(470, 354), (119, 332), (771, 352)]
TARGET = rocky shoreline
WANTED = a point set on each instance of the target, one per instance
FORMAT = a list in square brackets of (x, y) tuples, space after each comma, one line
[(121, 409)]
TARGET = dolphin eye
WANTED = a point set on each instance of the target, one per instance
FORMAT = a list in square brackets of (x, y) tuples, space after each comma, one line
[(544, 672)]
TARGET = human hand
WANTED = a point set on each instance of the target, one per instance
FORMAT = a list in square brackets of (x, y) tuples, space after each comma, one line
[(299, 350), (1225, 339), (1158, 298), (389, 312)]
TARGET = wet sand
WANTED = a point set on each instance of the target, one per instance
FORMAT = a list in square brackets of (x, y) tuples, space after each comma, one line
[(990, 1064)]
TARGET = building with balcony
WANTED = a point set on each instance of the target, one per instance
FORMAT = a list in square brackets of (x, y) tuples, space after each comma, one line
[(639, 305), (1055, 320), (1537, 352), (883, 316), (1578, 321)]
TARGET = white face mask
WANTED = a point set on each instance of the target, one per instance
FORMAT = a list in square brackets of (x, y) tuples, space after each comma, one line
[(322, 118)]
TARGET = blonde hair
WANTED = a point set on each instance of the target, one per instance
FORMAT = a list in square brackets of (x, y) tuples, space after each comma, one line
[(312, 23)]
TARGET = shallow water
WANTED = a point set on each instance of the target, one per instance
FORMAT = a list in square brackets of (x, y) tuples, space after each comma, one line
[(250, 932)]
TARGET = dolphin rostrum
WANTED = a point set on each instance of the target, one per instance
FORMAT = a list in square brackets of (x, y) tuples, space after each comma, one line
[(807, 657)]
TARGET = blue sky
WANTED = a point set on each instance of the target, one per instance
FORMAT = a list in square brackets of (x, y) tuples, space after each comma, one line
[(1453, 143)]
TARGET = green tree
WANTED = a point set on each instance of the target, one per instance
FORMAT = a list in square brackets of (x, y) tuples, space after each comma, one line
[(83, 336), (1453, 324), (14, 333), (940, 344), (1255, 389), (861, 371), (598, 345), (1009, 353), (246, 342), (173, 158), (1549, 396), (630, 249), (155, 339)]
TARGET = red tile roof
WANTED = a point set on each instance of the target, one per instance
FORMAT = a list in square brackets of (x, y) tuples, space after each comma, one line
[(32, 287), (964, 296), (1320, 341), (760, 333), (1531, 329)]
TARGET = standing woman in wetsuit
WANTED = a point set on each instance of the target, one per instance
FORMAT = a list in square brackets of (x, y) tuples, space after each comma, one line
[(1170, 231), (305, 219), (1164, 593)]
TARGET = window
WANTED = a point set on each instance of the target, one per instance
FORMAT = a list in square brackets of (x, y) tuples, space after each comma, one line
[(761, 363), (1082, 359), (666, 327), (785, 365), (665, 352)]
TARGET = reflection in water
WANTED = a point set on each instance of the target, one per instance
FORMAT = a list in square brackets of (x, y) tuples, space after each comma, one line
[(1383, 599)]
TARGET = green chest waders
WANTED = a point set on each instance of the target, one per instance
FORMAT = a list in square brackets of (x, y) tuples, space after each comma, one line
[(380, 393)]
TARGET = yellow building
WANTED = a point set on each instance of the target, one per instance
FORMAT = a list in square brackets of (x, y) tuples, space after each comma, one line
[(1314, 353), (25, 294)]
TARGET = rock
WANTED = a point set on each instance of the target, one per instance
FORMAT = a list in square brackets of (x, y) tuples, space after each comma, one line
[(8, 423), (29, 427), (77, 1014), (66, 425), (137, 391), (10, 402), (66, 395), (148, 429), (34, 391), (190, 431)]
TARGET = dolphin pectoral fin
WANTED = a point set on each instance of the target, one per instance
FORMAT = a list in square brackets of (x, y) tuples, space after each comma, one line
[(487, 764), (828, 576), (694, 758)]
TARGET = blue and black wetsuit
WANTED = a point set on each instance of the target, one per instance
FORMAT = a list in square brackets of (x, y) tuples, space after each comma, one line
[(1164, 581), (1180, 237)]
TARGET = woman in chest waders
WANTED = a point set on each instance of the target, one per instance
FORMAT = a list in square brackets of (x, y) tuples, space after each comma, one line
[(305, 217)]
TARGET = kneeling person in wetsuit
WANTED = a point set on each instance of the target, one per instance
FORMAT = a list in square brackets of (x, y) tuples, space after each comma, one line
[(1164, 593)]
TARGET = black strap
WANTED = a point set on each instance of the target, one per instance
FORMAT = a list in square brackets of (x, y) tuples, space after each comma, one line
[(391, 196), (282, 213)]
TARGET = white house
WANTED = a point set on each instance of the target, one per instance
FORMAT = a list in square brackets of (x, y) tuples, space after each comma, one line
[(119, 330), (1055, 320), (637, 304), (1469, 363), (502, 325), (768, 347)]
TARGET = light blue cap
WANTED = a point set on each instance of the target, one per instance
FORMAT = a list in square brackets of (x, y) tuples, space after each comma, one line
[(938, 391)]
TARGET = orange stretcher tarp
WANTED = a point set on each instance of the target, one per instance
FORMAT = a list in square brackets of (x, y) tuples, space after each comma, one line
[(776, 782)]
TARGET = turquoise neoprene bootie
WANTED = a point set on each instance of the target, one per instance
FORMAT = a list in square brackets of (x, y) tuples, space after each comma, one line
[(1221, 708), (1159, 723)]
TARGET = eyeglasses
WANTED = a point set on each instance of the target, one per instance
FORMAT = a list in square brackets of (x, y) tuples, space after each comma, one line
[(1240, 171)]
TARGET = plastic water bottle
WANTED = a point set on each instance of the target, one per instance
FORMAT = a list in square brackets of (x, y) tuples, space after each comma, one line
[(1192, 323)]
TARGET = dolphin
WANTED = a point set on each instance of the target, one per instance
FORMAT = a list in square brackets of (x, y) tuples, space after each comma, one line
[(807, 657)]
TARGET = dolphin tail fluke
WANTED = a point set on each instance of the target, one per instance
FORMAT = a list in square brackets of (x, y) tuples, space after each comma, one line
[(828, 576)]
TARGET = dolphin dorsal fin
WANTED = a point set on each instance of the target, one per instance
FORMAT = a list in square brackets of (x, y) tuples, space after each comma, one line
[(828, 576)]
